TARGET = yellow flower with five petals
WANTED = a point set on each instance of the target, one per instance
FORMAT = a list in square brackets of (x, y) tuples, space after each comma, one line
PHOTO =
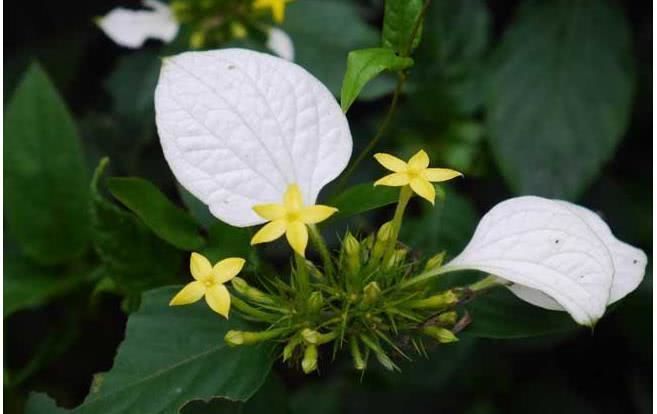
[(290, 218), (209, 282), (277, 8), (415, 172)]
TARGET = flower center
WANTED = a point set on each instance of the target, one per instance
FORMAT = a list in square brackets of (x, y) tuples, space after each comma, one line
[(413, 173), (208, 283), (291, 216)]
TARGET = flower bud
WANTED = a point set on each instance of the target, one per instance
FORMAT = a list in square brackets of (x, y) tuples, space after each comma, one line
[(371, 293), (236, 338), (197, 39), (441, 300), (289, 348), (380, 354), (351, 254), (442, 335), (435, 261), (309, 362), (382, 237), (311, 336), (447, 318), (359, 362), (315, 302), (396, 258), (243, 288), (314, 271)]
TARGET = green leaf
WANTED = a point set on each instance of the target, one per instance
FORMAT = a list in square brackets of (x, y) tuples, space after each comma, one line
[(172, 355), (197, 208), (398, 23), (364, 65), (450, 81), (28, 285), (446, 227), (157, 212), (499, 314), (227, 241), (46, 193), (324, 32), (560, 95), (361, 198), (270, 398), (131, 254), (39, 403), (137, 69)]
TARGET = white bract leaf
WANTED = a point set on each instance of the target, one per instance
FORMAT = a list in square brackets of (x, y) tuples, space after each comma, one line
[(238, 126), (557, 255), (280, 43), (131, 28)]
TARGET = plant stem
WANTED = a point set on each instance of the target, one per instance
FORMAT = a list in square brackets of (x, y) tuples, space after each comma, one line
[(401, 79), (302, 279), (323, 250), (404, 196), (488, 282), (249, 310)]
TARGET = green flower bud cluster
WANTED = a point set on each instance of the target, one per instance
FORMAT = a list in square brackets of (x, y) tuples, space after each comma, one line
[(373, 303)]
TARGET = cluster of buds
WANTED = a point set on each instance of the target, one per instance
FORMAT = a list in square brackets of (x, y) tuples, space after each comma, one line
[(362, 307)]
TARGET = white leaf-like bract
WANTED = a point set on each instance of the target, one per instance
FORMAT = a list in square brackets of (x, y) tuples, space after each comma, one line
[(558, 256), (131, 28), (280, 43), (238, 126)]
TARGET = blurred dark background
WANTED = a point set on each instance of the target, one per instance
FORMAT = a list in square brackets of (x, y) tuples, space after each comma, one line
[(58, 346)]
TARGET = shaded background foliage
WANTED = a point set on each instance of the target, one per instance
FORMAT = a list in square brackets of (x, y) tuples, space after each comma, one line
[(541, 97)]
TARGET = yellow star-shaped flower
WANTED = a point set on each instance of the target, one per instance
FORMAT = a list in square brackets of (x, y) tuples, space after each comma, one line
[(209, 282), (277, 8), (290, 218), (415, 173)]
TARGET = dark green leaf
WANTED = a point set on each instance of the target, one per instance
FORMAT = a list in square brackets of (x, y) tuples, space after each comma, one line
[(39, 403), (560, 95), (446, 227), (398, 24), (363, 197), (132, 85), (227, 241), (270, 398), (197, 208), (499, 314), (324, 32), (46, 193), (131, 254), (172, 355), (364, 65), (157, 212), (28, 285)]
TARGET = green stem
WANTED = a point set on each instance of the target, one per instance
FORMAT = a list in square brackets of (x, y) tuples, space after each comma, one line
[(404, 197), (323, 250), (302, 279), (401, 79), (249, 310)]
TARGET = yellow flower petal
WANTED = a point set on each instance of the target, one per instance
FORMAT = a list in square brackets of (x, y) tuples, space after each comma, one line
[(393, 180), (227, 269), (440, 174), (270, 231), (297, 236), (218, 299), (424, 189), (270, 211), (390, 162), (292, 200), (419, 161), (317, 213), (191, 293), (200, 266)]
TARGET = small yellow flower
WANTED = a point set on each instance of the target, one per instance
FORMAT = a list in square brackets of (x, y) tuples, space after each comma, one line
[(414, 173), (209, 283), (277, 8), (290, 218)]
